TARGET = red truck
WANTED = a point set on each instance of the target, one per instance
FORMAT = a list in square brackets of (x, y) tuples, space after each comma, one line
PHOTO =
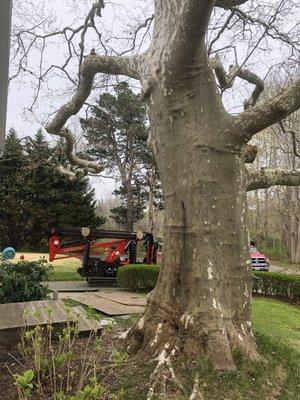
[(259, 261)]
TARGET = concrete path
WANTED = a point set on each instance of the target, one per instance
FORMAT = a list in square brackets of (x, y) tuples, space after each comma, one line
[(111, 302), (71, 286)]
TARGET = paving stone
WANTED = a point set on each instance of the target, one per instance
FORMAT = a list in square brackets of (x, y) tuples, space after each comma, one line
[(106, 306), (71, 286), (126, 298), (86, 324)]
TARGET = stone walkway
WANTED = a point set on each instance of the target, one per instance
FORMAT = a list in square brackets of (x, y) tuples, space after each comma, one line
[(109, 301), (112, 302), (71, 286)]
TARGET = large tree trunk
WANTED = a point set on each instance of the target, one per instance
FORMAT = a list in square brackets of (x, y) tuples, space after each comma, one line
[(201, 303), (130, 206)]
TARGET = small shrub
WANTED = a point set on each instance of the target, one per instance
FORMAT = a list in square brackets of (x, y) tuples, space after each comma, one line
[(280, 286), (23, 281), (24, 383), (119, 358), (138, 277)]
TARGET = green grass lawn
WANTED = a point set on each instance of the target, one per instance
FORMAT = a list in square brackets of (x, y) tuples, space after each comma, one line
[(277, 333), (277, 320), (67, 272), (64, 269)]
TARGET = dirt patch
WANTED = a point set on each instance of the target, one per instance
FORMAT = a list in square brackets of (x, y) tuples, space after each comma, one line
[(10, 360)]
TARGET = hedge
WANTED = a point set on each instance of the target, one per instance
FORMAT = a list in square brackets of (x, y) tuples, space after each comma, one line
[(138, 277), (280, 286)]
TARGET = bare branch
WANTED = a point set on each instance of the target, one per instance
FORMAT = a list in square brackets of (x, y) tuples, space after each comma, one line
[(270, 28), (226, 4), (145, 24), (294, 137), (90, 67), (254, 80), (226, 23), (266, 178), (66, 172), (257, 118), (227, 80)]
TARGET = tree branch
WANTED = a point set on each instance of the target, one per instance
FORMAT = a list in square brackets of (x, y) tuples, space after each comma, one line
[(270, 28), (226, 4), (254, 80), (180, 27), (91, 65), (266, 178), (257, 118), (226, 81), (294, 137)]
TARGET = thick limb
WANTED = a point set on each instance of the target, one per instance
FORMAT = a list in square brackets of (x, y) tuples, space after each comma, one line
[(187, 22), (266, 178), (263, 115), (226, 80), (92, 65), (229, 3)]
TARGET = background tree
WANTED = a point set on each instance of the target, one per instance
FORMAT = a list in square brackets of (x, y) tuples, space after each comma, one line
[(274, 212), (15, 194), (117, 134), (37, 196)]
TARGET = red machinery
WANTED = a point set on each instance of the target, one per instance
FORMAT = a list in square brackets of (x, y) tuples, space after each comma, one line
[(100, 259)]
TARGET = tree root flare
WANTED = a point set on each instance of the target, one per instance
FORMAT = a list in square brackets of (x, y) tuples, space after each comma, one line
[(163, 373), (196, 393)]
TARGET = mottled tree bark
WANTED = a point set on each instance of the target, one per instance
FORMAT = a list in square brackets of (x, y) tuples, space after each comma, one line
[(201, 303), (151, 222)]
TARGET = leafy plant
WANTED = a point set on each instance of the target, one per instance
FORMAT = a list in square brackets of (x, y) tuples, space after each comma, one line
[(23, 281), (119, 358), (24, 383), (138, 277), (120, 395), (62, 371), (93, 391)]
